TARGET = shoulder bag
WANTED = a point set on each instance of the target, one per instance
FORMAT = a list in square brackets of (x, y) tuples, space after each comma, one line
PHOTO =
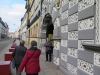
[(13, 61)]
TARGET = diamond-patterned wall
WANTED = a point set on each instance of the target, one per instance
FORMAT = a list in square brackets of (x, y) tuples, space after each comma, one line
[(72, 69), (86, 24), (85, 66), (77, 22), (97, 59)]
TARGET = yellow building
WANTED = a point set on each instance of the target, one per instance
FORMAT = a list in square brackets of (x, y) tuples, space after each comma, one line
[(33, 20)]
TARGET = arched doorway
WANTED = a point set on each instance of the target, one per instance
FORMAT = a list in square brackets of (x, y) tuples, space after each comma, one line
[(49, 27)]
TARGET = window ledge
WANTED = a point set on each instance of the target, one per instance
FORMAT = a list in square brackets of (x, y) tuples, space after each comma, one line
[(56, 38), (91, 47)]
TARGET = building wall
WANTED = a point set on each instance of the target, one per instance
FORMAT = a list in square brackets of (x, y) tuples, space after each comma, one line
[(6, 30), (17, 30), (11, 35), (24, 27), (27, 36), (3, 30), (23, 32), (33, 29), (76, 24)]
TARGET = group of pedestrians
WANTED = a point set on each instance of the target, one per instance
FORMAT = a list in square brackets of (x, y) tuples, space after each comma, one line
[(29, 58)]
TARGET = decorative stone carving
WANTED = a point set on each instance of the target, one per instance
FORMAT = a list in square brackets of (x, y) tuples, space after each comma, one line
[(64, 57), (56, 23), (56, 45), (73, 35), (43, 6), (85, 4), (56, 60), (53, 10), (64, 2), (72, 69), (49, 9), (97, 40), (64, 29), (86, 24), (64, 14), (80, 47), (85, 66), (72, 3), (97, 59), (73, 18), (58, 3), (73, 52), (64, 43)]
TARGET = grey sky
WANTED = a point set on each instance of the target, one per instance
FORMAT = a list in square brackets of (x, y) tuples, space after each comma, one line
[(12, 13)]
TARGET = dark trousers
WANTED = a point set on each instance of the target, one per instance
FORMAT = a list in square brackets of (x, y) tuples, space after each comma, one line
[(48, 54), (17, 73), (31, 74)]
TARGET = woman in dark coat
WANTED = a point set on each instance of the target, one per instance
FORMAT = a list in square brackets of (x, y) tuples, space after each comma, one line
[(31, 60), (48, 46)]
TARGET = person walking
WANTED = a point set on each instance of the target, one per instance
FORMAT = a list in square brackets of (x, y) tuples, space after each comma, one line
[(31, 60), (14, 40), (18, 55), (48, 46)]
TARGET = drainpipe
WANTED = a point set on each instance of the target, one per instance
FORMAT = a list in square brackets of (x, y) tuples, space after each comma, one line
[(29, 28)]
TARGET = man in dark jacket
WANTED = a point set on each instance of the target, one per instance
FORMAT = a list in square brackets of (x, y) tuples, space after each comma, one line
[(48, 46), (18, 54)]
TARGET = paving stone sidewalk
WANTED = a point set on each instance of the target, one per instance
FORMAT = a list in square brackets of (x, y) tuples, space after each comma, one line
[(47, 68)]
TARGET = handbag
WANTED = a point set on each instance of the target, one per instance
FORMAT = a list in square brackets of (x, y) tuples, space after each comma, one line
[(13, 63)]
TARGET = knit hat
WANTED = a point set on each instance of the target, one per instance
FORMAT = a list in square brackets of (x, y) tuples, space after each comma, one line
[(33, 43)]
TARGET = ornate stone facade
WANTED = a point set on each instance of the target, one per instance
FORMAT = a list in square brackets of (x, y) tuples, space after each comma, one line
[(76, 23)]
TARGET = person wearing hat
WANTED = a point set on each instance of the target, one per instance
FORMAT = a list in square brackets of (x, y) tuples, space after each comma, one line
[(31, 60)]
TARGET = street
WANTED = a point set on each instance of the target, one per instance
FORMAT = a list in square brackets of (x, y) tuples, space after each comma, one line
[(4, 43)]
